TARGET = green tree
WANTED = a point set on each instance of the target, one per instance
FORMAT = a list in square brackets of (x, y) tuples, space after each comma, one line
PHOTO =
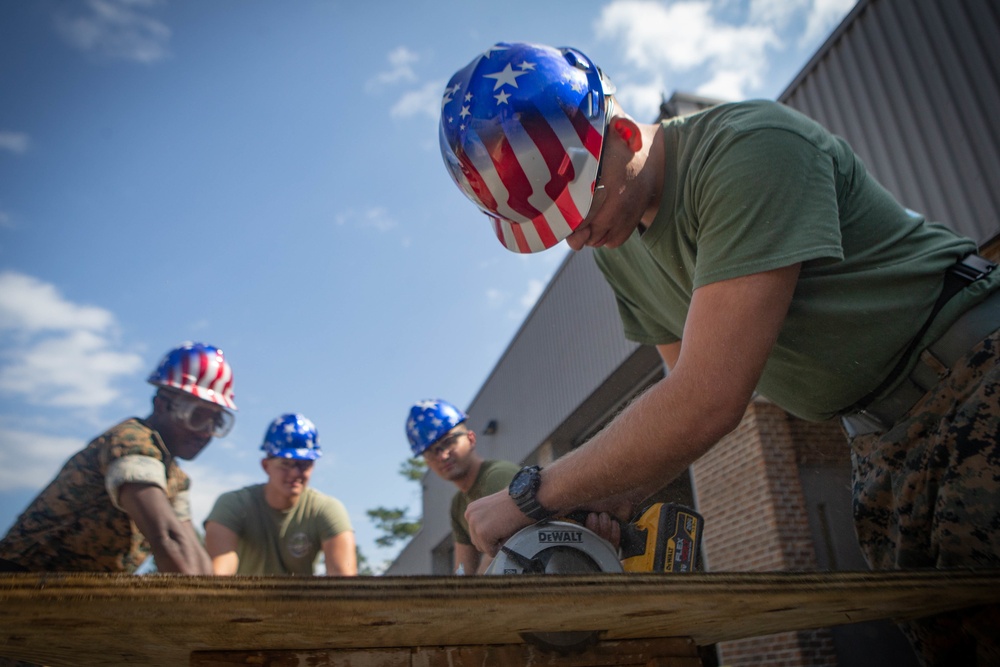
[(395, 523)]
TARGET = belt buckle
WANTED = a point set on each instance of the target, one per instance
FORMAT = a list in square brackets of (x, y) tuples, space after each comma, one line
[(973, 267), (862, 422)]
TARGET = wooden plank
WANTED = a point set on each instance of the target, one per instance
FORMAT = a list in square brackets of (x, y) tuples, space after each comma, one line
[(94, 619), (323, 658), (671, 652)]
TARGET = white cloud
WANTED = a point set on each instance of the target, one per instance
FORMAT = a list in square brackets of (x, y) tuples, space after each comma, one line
[(73, 369), (208, 483), (116, 29), (31, 305), (776, 13), (376, 218), (530, 296), (425, 101), (687, 35), (15, 142), (495, 297), (823, 17), (642, 100), (57, 353), (30, 460), (401, 61)]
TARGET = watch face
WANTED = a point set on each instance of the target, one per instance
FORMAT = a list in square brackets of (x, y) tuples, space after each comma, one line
[(521, 483)]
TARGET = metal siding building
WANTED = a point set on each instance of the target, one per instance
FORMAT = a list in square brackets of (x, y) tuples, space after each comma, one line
[(913, 85)]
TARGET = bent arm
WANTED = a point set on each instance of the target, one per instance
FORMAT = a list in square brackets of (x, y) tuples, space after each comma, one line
[(221, 543), (730, 330), (174, 542), (670, 353), (340, 552), (731, 327)]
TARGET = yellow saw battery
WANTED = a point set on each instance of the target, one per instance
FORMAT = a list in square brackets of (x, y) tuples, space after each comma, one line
[(665, 538)]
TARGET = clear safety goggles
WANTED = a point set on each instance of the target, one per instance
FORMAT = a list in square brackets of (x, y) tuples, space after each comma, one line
[(199, 416), (445, 444)]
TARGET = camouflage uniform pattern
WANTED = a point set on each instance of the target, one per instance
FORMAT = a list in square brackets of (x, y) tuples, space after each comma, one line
[(72, 525), (927, 495)]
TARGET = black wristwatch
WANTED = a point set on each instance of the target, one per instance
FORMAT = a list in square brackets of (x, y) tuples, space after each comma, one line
[(523, 488)]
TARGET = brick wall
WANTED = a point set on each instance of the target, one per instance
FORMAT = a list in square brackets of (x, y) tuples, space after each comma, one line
[(750, 494), (991, 250)]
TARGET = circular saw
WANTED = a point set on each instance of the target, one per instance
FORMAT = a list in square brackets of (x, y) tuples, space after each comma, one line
[(557, 547)]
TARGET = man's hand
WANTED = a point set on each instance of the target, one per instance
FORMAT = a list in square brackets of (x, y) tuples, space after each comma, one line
[(221, 544), (492, 520), (605, 526), (340, 553)]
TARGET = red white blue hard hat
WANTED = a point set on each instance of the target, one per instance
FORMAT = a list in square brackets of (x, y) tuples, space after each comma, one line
[(292, 436), (198, 369), (429, 421), (521, 132)]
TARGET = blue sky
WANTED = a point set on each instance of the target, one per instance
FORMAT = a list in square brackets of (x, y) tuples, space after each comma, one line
[(265, 177)]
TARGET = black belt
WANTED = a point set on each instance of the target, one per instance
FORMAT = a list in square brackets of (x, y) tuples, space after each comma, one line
[(970, 328)]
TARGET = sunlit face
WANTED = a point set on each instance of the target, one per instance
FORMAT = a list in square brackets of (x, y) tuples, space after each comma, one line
[(288, 477), (450, 457)]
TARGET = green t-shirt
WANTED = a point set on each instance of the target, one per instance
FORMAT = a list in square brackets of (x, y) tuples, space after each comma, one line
[(279, 541), (493, 476), (755, 186)]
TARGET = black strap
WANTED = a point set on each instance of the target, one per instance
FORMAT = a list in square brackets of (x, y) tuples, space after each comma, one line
[(960, 275)]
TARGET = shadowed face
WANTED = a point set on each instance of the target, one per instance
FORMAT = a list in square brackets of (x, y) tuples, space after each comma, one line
[(452, 455), (185, 423)]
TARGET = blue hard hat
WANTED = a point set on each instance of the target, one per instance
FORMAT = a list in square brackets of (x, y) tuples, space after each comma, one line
[(292, 436), (429, 421)]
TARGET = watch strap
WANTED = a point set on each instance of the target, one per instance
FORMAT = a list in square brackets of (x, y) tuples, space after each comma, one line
[(527, 502)]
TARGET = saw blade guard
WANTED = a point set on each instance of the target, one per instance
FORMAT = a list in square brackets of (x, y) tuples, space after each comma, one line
[(555, 547)]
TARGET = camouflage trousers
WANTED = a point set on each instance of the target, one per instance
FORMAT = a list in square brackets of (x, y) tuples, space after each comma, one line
[(927, 495)]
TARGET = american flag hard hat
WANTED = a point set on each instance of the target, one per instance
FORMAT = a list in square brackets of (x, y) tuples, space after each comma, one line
[(197, 369), (521, 132)]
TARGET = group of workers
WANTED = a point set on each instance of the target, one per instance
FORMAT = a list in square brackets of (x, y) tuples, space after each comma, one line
[(124, 497), (747, 243)]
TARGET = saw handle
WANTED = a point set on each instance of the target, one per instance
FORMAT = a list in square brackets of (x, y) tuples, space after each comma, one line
[(665, 538)]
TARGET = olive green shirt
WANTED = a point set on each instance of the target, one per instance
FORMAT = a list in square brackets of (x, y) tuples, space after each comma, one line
[(279, 541), (755, 186), (493, 476)]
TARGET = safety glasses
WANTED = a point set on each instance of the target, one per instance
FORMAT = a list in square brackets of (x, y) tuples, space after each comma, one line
[(610, 101), (288, 465), (445, 444), (198, 416)]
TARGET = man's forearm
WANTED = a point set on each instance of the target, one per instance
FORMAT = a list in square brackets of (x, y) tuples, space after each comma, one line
[(176, 551), (651, 442)]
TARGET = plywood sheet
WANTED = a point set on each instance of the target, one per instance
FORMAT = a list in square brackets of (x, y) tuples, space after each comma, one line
[(92, 619)]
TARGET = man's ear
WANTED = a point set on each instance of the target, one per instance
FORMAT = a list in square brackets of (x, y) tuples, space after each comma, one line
[(160, 404), (629, 132), (263, 464), (472, 439)]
